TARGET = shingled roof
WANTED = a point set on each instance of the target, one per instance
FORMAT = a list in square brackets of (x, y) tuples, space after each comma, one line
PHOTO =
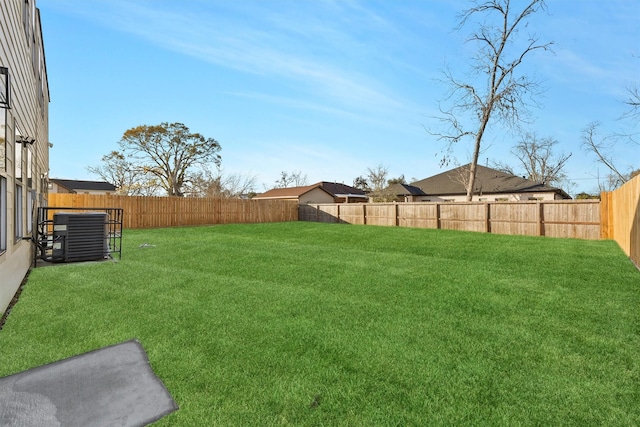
[(405, 190), (341, 190), (289, 192), (488, 181), (333, 188), (73, 184)]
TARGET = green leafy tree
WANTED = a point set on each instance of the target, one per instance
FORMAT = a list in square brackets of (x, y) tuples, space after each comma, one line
[(361, 183)]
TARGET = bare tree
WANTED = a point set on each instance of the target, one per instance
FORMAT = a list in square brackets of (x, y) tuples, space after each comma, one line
[(291, 179), (207, 183), (460, 175), (237, 184), (602, 148), (377, 177), (632, 116), (538, 160), (633, 101), (129, 179), (378, 184), (500, 91)]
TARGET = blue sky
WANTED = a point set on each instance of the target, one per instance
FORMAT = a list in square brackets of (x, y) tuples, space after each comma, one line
[(325, 87)]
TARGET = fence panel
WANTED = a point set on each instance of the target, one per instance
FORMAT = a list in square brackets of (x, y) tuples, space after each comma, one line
[(519, 219), (352, 213), (575, 219), (579, 219), (418, 215), (155, 212), (623, 217), (380, 214), (463, 216)]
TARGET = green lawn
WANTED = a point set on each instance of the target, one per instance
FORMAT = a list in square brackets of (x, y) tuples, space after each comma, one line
[(325, 324)]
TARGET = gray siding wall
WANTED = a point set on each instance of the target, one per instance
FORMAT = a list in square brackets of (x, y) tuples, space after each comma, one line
[(22, 52)]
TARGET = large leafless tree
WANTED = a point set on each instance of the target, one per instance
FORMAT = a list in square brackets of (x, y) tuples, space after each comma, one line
[(378, 184), (128, 178), (291, 179), (603, 147), (209, 183), (538, 160), (498, 91)]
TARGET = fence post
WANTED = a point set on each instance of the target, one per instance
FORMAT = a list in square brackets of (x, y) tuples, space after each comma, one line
[(541, 230), (397, 209), (487, 217), (364, 213), (605, 215), (438, 224)]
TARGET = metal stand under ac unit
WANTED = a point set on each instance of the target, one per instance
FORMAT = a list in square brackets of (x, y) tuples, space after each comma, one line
[(78, 234)]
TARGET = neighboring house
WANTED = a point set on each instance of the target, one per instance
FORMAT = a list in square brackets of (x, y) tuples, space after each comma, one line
[(490, 185), (406, 192), (344, 193), (302, 195), (321, 192), (80, 187), (24, 139)]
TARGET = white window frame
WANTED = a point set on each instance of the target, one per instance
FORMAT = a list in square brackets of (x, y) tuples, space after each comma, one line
[(3, 214), (19, 212), (31, 203)]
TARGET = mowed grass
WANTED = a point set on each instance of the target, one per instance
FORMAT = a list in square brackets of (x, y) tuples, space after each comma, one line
[(312, 324)]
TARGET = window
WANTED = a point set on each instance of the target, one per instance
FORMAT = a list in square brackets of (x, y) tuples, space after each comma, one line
[(3, 214), (18, 153), (31, 207), (5, 88), (3, 139), (19, 214), (30, 166), (26, 18)]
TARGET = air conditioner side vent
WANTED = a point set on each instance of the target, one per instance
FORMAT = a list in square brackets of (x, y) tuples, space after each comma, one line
[(80, 236)]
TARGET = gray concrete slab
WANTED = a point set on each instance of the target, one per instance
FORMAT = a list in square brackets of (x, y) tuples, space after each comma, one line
[(111, 386)]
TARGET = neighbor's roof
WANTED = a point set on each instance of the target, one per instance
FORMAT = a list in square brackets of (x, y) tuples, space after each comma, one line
[(84, 185), (488, 181), (341, 190), (289, 192), (405, 190), (334, 189)]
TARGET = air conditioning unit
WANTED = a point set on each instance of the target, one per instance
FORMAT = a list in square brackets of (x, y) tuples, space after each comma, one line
[(80, 236)]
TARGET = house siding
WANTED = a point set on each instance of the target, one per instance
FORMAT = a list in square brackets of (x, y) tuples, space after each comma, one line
[(507, 197), (316, 195), (22, 53)]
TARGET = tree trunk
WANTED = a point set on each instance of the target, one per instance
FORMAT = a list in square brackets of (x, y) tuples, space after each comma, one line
[(473, 166)]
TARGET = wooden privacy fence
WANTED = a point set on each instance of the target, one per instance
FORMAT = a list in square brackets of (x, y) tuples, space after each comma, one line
[(155, 212), (578, 219), (621, 217)]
